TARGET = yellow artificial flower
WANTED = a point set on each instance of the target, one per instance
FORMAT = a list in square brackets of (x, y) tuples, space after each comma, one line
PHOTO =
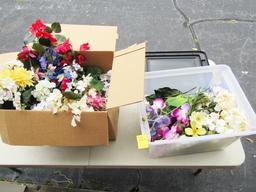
[(194, 131), (19, 75), (199, 118)]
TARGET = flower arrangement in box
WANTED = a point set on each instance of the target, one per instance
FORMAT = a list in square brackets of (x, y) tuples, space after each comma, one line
[(172, 114), (49, 75)]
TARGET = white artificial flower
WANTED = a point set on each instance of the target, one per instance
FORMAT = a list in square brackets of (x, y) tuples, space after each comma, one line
[(8, 84), (106, 76), (11, 64), (54, 100), (77, 67), (43, 89), (17, 100), (223, 98), (92, 92), (42, 106)]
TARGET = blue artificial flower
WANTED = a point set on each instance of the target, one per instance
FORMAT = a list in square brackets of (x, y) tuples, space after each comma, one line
[(68, 75)]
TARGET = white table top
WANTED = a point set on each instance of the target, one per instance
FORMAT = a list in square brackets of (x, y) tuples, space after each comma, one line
[(120, 153)]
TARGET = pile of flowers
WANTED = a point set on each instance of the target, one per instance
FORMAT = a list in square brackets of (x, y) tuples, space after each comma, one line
[(172, 114), (49, 75)]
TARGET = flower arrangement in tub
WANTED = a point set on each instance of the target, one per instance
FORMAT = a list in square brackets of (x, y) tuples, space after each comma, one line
[(49, 75), (172, 114)]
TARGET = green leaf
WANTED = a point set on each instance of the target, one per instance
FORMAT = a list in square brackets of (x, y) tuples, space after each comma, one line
[(56, 27), (167, 92), (60, 38), (45, 42), (97, 84), (35, 63), (164, 93), (27, 65), (72, 95), (26, 97), (29, 38), (39, 48), (176, 101), (48, 29), (94, 70)]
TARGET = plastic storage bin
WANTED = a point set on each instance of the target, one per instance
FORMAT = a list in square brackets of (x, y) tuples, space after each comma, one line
[(185, 79)]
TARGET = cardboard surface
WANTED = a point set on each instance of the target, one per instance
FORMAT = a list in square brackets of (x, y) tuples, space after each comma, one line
[(100, 38), (44, 128), (127, 79)]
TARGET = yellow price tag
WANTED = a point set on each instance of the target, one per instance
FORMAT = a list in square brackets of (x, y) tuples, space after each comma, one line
[(142, 141)]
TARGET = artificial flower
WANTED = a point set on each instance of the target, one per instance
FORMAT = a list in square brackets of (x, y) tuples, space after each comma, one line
[(43, 89), (63, 47), (80, 59), (158, 103), (195, 131), (181, 113), (19, 75), (37, 28), (64, 85), (172, 133), (96, 102), (84, 47), (26, 54), (199, 118)]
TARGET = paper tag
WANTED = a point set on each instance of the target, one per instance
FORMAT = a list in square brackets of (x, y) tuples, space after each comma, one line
[(142, 141)]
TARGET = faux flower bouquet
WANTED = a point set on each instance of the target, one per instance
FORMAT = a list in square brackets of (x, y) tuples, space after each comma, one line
[(50, 76), (172, 114)]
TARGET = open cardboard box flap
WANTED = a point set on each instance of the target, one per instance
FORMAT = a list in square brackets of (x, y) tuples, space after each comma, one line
[(127, 77), (100, 38)]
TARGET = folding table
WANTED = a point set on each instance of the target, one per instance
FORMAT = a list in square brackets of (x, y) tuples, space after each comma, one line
[(120, 153)]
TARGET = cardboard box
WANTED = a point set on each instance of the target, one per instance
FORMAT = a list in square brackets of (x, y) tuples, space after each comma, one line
[(96, 128)]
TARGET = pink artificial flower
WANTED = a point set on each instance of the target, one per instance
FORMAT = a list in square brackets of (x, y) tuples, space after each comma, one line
[(38, 75), (172, 133), (158, 103), (63, 47), (26, 53), (84, 47), (181, 114), (96, 102)]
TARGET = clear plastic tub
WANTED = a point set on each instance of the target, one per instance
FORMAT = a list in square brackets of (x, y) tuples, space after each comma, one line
[(185, 79)]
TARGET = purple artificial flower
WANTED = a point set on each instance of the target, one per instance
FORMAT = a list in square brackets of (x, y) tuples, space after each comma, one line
[(43, 62), (161, 121), (151, 113), (181, 114), (158, 103), (172, 133)]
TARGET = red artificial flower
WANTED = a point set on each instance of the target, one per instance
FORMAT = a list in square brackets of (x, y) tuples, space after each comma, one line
[(25, 54), (63, 85), (80, 59), (64, 47), (67, 60), (48, 36), (69, 57), (84, 47), (37, 28)]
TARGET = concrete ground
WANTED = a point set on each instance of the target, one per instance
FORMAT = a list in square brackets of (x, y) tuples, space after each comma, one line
[(224, 29)]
